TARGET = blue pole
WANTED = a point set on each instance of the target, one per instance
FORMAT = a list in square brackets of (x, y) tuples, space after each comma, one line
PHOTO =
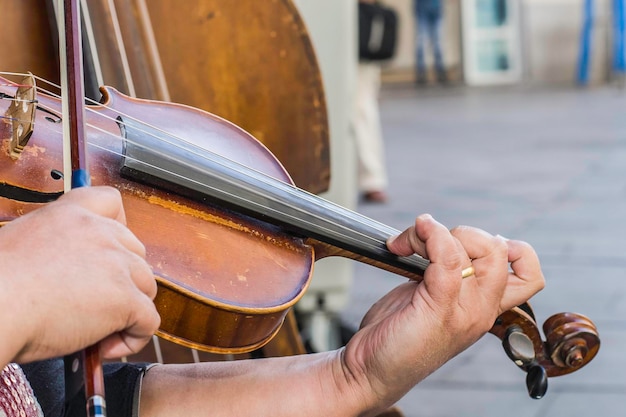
[(619, 60), (585, 43)]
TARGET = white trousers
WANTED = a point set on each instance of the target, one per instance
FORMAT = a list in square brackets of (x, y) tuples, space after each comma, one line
[(372, 174)]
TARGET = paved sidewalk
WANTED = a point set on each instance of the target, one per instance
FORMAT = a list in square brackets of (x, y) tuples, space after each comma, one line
[(546, 166)]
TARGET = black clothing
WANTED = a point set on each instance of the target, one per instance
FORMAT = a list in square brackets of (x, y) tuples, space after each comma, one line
[(120, 380)]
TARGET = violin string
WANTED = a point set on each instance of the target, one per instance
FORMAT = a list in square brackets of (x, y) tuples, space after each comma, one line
[(366, 239), (19, 100), (15, 85), (266, 179), (270, 181), (278, 184), (199, 153), (36, 77), (273, 182)]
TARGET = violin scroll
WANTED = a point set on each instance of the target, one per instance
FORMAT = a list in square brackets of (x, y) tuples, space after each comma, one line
[(572, 341)]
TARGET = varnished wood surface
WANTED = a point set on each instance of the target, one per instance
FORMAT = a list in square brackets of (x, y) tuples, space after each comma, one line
[(251, 62), (28, 44), (235, 277)]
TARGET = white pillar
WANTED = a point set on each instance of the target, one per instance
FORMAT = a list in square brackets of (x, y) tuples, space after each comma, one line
[(332, 27)]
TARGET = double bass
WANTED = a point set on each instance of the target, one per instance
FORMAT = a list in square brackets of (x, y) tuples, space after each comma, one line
[(200, 191)]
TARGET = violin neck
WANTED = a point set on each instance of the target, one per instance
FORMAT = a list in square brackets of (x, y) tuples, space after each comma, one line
[(154, 157)]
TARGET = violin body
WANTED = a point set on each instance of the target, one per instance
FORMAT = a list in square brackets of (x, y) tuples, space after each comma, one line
[(225, 280)]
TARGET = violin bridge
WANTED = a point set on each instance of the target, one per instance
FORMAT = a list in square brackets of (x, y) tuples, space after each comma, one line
[(21, 112)]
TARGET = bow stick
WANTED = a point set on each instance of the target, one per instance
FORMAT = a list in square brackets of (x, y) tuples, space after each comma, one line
[(72, 81)]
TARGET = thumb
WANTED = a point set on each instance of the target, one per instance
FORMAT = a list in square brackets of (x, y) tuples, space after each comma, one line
[(408, 242)]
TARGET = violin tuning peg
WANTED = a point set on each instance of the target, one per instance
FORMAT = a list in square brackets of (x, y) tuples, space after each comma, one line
[(537, 381), (518, 346)]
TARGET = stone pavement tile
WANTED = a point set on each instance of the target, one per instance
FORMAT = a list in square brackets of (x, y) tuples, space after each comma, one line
[(472, 401), (483, 382), (598, 292), (584, 404), (547, 166)]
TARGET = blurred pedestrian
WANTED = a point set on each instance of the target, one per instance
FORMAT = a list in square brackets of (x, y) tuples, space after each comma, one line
[(372, 172), (428, 17)]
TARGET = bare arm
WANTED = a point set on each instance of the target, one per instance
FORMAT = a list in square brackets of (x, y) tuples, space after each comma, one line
[(406, 336)]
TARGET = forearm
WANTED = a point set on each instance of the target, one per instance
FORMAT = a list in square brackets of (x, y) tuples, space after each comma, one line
[(14, 326), (310, 385)]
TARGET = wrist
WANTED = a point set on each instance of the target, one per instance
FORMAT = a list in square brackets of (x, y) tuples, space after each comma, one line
[(354, 389)]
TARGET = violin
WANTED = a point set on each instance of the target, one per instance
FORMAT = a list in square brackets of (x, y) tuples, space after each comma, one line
[(231, 240)]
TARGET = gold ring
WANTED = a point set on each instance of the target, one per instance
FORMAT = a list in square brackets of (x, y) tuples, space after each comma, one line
[(467, 272)]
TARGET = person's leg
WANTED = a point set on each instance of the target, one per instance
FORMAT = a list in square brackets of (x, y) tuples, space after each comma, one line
[(372, 174), (420, 43), (435, 37)]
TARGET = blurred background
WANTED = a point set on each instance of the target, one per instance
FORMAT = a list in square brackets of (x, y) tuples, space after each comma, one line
[(530, 41), (526, 138), (514, 123)]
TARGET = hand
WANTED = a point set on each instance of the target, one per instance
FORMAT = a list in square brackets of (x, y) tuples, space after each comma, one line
[(417, 327), (74, 275)]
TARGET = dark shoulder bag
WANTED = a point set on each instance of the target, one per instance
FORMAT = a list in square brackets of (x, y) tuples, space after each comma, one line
[(378, 32)]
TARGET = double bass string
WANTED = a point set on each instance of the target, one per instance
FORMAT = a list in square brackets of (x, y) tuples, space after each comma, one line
[(348, 217)]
